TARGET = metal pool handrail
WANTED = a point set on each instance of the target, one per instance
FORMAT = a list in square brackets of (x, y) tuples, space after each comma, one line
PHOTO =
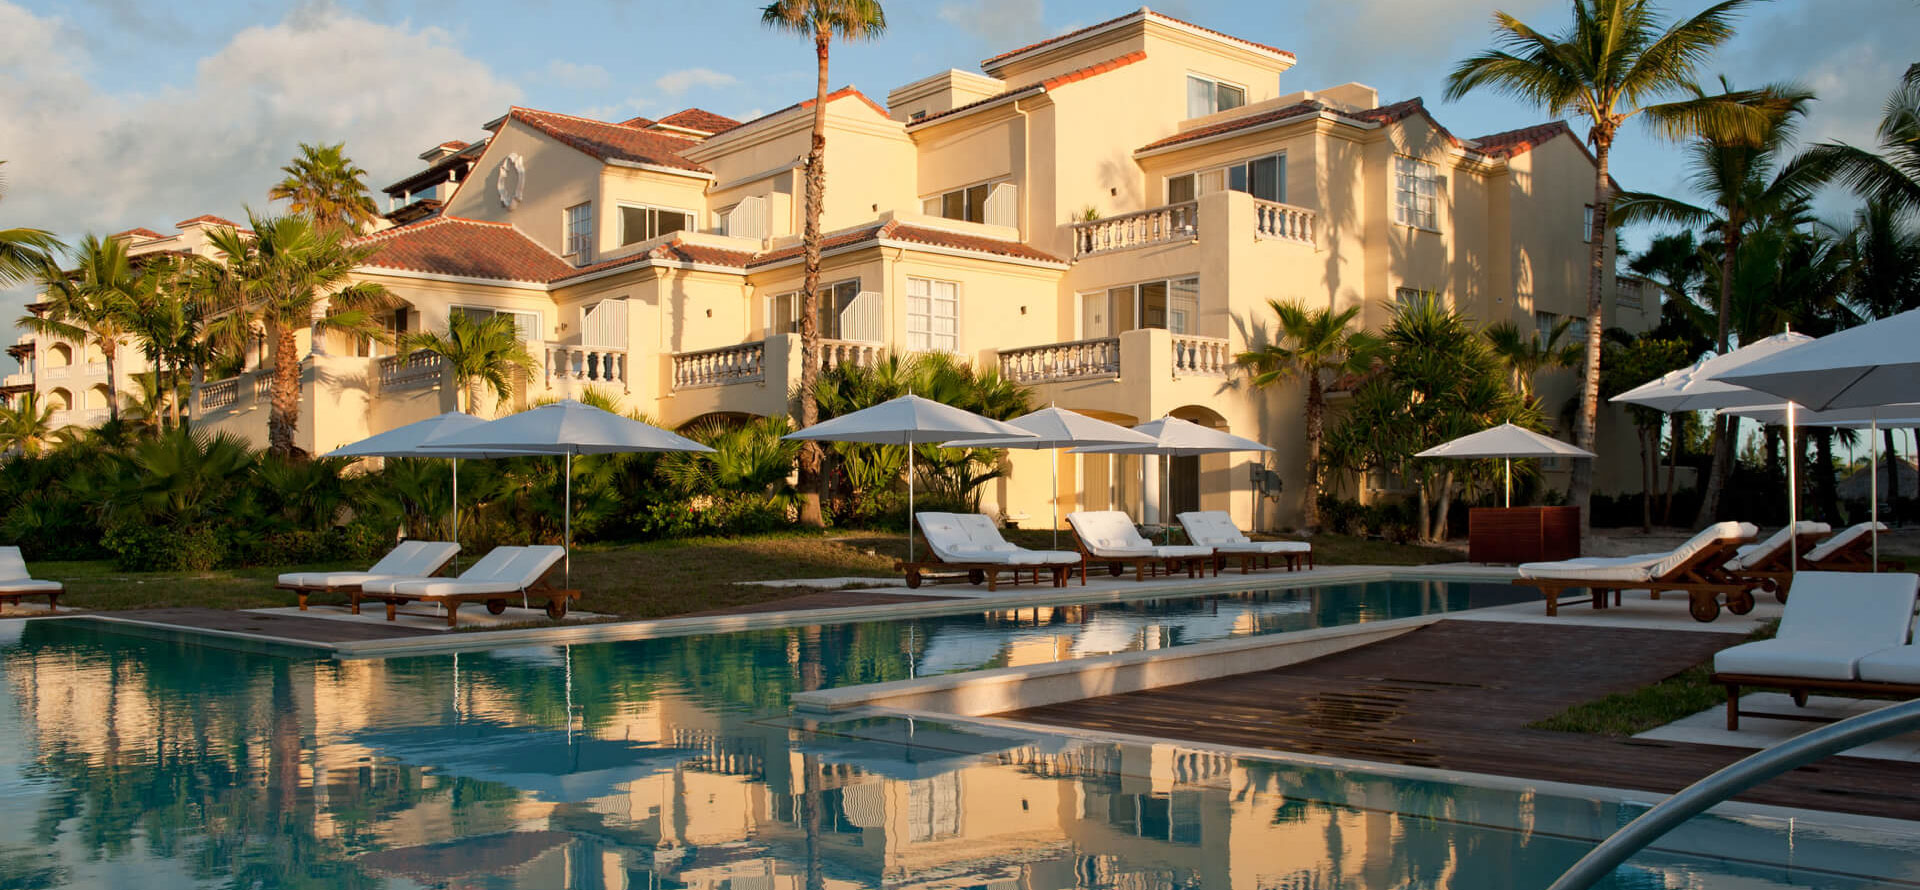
[(1699, 796)]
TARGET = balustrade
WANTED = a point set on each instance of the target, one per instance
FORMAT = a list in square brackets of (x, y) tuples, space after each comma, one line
[(744, 363), (420, 369), (1159, 225), (1283, 221), (1200, 356), (859, 353), (589, 364), (1076, 360), (219, 394)]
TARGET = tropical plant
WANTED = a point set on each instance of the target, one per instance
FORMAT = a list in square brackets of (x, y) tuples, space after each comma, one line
[(1310, 345), (1525, 353), (325, 184), (145, 409), (1885, 281), (26, 427), (166, 321), (24, 251), (819, 21), (1610, 66), (93, 303), (487, 351), (276, 279), (1893, 176), (749, 458), (1630, 362)]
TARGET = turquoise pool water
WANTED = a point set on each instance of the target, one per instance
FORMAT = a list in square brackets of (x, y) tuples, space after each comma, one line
[(134, 762)]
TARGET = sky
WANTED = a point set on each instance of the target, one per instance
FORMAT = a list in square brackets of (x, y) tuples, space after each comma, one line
[(120, 113)]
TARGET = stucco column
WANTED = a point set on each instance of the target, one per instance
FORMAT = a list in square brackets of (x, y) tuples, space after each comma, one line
[(1150, 498), (316, 334)]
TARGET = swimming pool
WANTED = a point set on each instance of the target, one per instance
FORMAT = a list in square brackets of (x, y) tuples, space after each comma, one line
[(674, 763)]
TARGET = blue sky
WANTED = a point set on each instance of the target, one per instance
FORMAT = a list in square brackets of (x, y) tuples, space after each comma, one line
[(121, 113)]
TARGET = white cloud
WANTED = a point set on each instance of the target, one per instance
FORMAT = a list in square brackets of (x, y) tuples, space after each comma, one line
[(999, 23), (572, 74), (673, 83), (86, 158)]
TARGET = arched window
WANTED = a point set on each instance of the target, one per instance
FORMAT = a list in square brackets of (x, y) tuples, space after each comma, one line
[(60, 356), (93, 354), (59, 399), (98, 397)]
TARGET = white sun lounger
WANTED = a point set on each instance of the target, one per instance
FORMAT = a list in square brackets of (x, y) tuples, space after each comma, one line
[(501, 574), (1773, 562), (970, 542), (16, 582), (1829, 631), (1215, 529), (1850, 549), (1108, 537), (411, 559), (1697, 567)]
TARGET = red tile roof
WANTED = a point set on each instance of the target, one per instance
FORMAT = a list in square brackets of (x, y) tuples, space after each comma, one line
[(1050, 83), (449, 245), (1139, 12), (674, 251), (1399, 111), (899, 231), (610, 142), (832, 97), (640, 122), (454, 144), (141, 232), (699, 119), (1239, 123), (1523, 140), (209, 219)]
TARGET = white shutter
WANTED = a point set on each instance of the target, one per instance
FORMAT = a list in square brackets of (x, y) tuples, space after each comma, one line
[(945, 328), (863, 318), (1003, 205), (1211, 181), (748, 219), (931, 206)]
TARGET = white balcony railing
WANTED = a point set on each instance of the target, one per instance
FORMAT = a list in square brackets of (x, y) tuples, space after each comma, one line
[(416, 371), (1053, 362), (860, 353), (1284, 222), (218, 394), (263, 385), (589, 364), (1200, 356), (744, 363), (1159, 225)]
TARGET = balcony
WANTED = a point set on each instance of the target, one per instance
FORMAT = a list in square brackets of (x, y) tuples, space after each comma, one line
[(1184, 222), (745, 363), (1184, 355), (416, 371), (586, 365)]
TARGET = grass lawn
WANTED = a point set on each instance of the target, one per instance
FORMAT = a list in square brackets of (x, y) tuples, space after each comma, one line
[(1630, 713), (649, 580)]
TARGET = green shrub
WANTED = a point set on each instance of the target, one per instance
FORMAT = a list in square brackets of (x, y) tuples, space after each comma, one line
[(147, 548)]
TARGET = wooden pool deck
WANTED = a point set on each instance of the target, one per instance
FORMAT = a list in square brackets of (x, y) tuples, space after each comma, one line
[(1458, 695)]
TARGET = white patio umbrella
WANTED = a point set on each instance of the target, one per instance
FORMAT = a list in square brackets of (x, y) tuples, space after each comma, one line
[(1057, 428), (411, 441), (1506, 442), (910, 420), (1173, 437), (1873, 365), (1905, 416), (566, 428)]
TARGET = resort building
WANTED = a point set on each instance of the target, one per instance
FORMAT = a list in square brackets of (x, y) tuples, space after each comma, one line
[(1102, 215)]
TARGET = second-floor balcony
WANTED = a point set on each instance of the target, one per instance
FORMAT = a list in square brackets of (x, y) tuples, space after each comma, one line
[(1185, 222), (1182, 355)]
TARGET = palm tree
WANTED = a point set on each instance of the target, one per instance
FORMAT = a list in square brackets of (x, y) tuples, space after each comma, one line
[(1885, 281), (276, 281), (24, 251), (325, 184), (25, 426), (819, 21), (1526, 353), (1892, 177), (1313, 343), (91, 304), (1607, 68), (488, 351)]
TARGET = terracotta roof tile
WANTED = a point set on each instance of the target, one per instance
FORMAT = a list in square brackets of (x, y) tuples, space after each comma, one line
[(610, 142), (454, 144), (1523, 140), (1097, 26), (831, 97), (899, 231), (699, 119), (1239, 123), (449, 245), (677, 251), (209, 219), (140, 232)]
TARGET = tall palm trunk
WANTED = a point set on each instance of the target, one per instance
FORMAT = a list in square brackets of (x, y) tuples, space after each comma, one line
[(1826, 486), (108, 349), (1582, 493), (1316, 411), (285, 416), (1724, 429), (1673, 458), (1892, 463), (810, 454)]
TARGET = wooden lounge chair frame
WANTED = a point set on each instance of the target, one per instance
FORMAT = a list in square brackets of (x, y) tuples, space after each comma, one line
[(302, 591), (1144, 567), (557, 599), (1798, 687), (1702, 577), (1776, 575), (980, 571), (1248, 560), (12, 598)]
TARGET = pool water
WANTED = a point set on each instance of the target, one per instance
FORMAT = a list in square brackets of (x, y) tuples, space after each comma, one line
[(130, 761)]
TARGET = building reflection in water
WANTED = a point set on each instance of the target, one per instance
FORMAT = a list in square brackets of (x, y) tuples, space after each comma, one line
[(674, 764)]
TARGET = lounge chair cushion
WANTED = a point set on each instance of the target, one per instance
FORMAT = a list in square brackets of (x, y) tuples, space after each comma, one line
[(521, 571), (1814, 659), (485, 568), (1833, 620), (30, 585), (410, 559), (1214, 528), (1110, 533), (972, 538), (1845, 537), (1895, 664), (1775, 544), (323, 580), (1641, 567), (14, 577)]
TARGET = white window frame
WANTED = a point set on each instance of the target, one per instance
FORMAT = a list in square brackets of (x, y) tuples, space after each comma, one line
[(620, 214), (1139, 310), (1414, 187), (577, 231), (520, 319), (827, 290), (1223, 175), (1214, 102), (1543, 324), (934, 205), (1586, 227), (921, 320)]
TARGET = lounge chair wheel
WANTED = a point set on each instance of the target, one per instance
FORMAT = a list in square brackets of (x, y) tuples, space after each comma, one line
[(913, 579), (1704, 607), (1740, 603), (975, 576), (1799, 697), (556, 608), (496, 607)]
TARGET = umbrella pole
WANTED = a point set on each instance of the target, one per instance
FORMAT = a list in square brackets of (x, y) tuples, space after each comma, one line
[(1873, 474), (910, 482), (1509, 474), (568, 524), (456, 514), (1793, 491), (1056, 500)]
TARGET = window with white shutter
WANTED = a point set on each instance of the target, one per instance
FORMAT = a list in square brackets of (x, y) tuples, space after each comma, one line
[(933, 315), (579, 238), (1416, 188), (1003, 205), (747, 219), (603, 325)]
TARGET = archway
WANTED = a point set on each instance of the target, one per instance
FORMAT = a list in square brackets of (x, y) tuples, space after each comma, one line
[(60, 356), (1203, 482), (97, 397), (59, 399)]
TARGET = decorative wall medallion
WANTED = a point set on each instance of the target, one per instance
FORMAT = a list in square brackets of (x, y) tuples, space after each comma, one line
[(511, 181)]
